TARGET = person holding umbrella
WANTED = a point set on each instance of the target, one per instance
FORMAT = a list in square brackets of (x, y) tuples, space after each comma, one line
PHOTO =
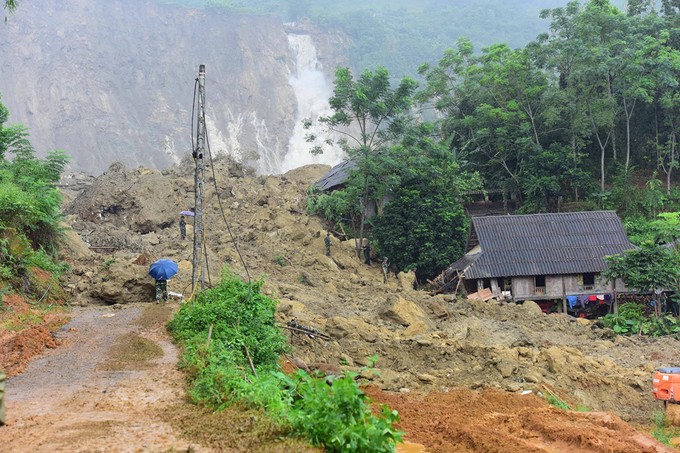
[(183, 223), (182, 227), (162, 270)]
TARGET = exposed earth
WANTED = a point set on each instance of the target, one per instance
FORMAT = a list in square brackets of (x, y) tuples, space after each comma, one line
[(465, 376)]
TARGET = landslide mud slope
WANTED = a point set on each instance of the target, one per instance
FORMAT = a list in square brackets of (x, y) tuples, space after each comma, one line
[(422, 342)]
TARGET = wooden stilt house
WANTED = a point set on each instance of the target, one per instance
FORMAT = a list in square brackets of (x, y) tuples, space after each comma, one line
[(543, 257)]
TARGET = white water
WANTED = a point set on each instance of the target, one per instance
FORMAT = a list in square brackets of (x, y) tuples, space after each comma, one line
[(312, 91)]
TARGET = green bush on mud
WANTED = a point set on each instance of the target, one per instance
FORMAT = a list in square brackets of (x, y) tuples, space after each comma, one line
[(334, 414), (242, 319), (631, 320)]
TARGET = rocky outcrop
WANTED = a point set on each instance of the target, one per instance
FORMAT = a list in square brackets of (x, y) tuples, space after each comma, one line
[(113, 80)]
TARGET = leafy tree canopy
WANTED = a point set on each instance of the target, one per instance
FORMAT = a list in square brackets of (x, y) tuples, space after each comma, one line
[(30, 203)]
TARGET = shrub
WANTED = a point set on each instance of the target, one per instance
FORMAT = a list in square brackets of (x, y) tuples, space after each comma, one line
[(631, 319), (334, 413)]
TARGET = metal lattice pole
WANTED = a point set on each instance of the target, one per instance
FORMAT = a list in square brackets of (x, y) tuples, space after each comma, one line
[(198, 271)]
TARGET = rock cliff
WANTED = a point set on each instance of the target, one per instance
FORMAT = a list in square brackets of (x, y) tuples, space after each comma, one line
[(113, 80)]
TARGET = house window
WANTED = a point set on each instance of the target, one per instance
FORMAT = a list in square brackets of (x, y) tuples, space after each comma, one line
[(588, 281), (539, 283)]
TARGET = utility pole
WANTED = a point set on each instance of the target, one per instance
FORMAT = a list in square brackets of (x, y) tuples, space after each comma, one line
[(198, 270)]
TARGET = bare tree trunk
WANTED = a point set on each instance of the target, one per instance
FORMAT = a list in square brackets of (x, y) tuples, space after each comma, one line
[(629, 115), (574, 151), (672, 161), (364, 203)]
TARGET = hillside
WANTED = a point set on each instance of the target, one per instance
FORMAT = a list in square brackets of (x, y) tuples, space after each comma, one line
[(438, 345)]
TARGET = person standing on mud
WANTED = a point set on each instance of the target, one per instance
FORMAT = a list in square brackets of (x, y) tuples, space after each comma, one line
[(2, 398), (327, 242), (367, 253), (385, 268), (161, 291), (182, 227)]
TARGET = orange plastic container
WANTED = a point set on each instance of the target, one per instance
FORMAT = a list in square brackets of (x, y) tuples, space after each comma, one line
[(666, 384)]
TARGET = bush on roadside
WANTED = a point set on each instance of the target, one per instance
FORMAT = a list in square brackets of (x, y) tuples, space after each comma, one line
[(334, 413)]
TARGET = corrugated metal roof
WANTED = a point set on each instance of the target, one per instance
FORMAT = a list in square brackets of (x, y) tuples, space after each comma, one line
[(336, 176), (546, 244)]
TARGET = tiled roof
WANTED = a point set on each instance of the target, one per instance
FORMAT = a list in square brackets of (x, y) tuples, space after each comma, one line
[(336, 176), (545, 244)]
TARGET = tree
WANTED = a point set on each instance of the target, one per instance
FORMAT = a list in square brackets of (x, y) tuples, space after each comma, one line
[(368, 114), (649, 267), (30, 203), (10, 5), (424, 226)]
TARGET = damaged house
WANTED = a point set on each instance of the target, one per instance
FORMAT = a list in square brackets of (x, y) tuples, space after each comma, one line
[(546, 258)]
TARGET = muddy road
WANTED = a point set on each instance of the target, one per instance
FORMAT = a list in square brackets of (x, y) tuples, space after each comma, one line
[(104, 389)]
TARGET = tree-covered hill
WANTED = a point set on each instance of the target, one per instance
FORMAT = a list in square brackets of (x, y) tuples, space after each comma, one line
[(401, 34)]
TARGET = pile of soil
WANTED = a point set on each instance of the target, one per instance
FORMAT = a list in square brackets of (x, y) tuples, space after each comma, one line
[(493, 421), (26, 331), (485, 362)]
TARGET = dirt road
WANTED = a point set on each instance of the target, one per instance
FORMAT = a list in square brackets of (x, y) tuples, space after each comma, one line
[(104, 389)]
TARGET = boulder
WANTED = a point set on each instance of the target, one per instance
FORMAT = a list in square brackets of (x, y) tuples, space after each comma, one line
[(531, 307), (407, 314), (122, 283)]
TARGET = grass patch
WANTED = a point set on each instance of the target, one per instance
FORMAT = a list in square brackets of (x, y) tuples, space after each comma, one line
[(662, 432), (557, 402), (27, 316), (132, 352)]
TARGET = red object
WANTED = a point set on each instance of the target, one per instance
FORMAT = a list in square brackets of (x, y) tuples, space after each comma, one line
[(666, 384), (545, 305), (592, 298)]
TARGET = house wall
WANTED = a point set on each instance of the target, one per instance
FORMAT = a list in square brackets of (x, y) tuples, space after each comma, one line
[(558, 286), (522, 287)]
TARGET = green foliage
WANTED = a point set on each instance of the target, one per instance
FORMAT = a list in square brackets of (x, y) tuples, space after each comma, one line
[(370, 115), (242, 317), (664, 229), (557, 402), (424, 225), (337, 208), (662, 432), (280, 260), (646, 268), (632, 320), (30, 205), (337, 416), (422, 228), (42, 260)]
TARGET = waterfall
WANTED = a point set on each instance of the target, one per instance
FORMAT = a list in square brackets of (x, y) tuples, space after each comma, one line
[(312, 91)]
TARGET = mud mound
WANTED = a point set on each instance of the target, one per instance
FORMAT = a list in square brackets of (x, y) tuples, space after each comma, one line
[(493, 421), (26, 333)]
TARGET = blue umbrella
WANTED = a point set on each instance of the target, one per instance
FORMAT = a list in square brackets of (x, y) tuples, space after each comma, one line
[(187, 213), (163, 269)]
